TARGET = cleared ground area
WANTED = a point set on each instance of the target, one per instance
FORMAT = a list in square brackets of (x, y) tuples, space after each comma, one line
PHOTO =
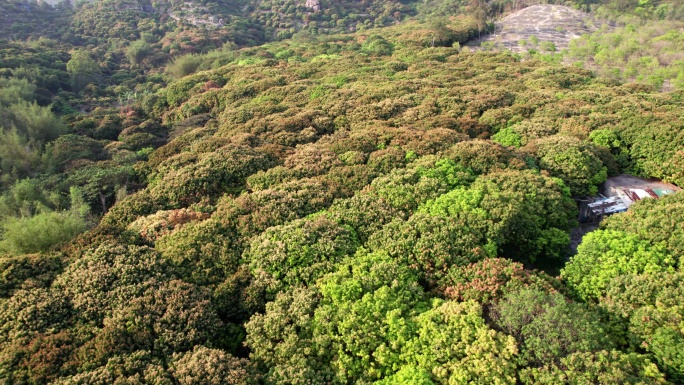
[(547, 23)]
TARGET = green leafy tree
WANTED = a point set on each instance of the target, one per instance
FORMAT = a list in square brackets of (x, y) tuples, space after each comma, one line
[(600, 368), (650, 303), (83, 69), (373, 296), (489, 280), (27, 197), (300, 252), (36, 123), (39, 232), (508, 137), (27, 271), (137, 51), (534, 225), (139, 367), (654, 220), (107, 276), (606, 254), (18, 157), (68, 148), (282, 340), (455, 344), (431, 245), (29, 312), (100, 182), (364, 213), (548, 327), (575, 162), (408, 375), (210, 366), (15, 89), (173, 317), (378, 46)]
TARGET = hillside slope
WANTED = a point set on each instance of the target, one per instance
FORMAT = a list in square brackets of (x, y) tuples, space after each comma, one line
[(379, 207), (556, 24)]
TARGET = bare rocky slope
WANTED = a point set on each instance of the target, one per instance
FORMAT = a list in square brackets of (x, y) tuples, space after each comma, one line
[(548, 23)]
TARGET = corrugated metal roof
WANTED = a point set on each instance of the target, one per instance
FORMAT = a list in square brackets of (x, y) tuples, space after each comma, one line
[(662, 192), (610, 205)]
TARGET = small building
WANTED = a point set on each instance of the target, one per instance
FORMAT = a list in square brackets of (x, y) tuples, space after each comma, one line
[(632, 189), (620, 192), (607, 206)]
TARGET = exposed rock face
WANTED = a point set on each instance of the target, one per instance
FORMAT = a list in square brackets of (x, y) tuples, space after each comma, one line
[(315, 5), (548, 23)]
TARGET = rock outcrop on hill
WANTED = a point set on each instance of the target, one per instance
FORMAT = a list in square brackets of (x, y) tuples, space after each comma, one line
[(556, 24)]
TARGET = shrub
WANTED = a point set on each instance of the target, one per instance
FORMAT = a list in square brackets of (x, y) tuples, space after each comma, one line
[(184, 65), (40, 232)]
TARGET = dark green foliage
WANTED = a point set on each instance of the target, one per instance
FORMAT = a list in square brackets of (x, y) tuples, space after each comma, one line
[(483, 156), (100, 183), (70, 148), (203, 251), (282, 340), (174, 317), (364, 213), (139, 365), (34, 311), (523, 224), (651, 305), (656, 221), (208, 176), (517, 222), (548, 327)]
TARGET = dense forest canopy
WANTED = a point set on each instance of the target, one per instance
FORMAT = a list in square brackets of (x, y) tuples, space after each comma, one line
[(341, 192)]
